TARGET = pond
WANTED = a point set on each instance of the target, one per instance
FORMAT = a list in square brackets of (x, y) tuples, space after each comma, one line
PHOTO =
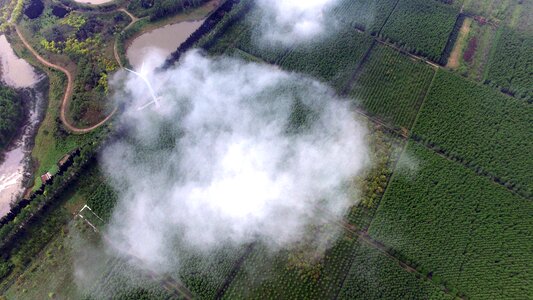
[(163, 41), (35, 9), (59, 11), (17, 73)]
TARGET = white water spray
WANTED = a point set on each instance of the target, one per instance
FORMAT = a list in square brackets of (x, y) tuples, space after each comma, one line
[(142, 74)]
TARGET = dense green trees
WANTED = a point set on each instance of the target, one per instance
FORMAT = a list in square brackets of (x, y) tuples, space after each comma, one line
[(421, 26), (511, 67), (458, 227), (392, 86), (480, 127), (11, 114), (332, 59), (158, 9), (376, 276)]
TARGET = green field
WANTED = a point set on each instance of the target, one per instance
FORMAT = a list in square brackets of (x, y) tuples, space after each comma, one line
[(480, 127), (392, 86), (421, 26), (511, 65), (460, 228)]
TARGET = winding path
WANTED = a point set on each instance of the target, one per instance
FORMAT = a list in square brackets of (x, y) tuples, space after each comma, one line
[(134, 19), (68, 91)]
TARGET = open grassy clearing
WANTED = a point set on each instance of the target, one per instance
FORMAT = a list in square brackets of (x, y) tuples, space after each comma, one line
[(493, 10), (459, 228), (455, 56), (474, 56), (481, 128), (392, 86)]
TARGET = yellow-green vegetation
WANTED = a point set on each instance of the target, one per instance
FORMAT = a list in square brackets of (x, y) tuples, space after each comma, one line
[(82, 42), (74, 20)]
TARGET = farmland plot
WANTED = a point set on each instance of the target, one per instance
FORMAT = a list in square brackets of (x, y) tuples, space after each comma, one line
[(376, 276), (291, 275), (458, 227), (511, 66), (480, 127), (392, 86), (421, 26), (332, 59)]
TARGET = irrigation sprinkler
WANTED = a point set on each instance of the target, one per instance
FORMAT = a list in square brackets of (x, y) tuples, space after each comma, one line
[(155, 99)]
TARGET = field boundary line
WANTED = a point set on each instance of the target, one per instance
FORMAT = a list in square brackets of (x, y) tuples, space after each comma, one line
[(234, 272), (388, 17), (357, 70)]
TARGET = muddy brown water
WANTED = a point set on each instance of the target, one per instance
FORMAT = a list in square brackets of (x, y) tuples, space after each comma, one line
[(16, 72), (161, 41), (19, 74)]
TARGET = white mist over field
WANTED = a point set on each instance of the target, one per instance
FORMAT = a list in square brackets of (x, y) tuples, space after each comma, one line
[(289, 21), (218, 160)]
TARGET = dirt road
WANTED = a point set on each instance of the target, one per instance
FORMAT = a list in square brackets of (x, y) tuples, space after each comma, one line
[(68, 91)]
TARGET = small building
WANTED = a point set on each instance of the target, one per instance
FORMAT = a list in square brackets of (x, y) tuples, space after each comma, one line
[(46, 177)]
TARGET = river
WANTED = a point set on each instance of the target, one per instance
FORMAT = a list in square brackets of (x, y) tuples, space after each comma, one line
[(19, 74), (161, 41)]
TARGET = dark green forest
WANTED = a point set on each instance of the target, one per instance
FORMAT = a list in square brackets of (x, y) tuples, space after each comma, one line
[(11, 114)]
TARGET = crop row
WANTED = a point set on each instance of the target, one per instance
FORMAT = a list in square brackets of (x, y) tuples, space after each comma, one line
[(481, 128), (457, 227), (392, 86)]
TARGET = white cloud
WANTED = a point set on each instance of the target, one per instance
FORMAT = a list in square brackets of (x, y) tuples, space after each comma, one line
[(219, 162)]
